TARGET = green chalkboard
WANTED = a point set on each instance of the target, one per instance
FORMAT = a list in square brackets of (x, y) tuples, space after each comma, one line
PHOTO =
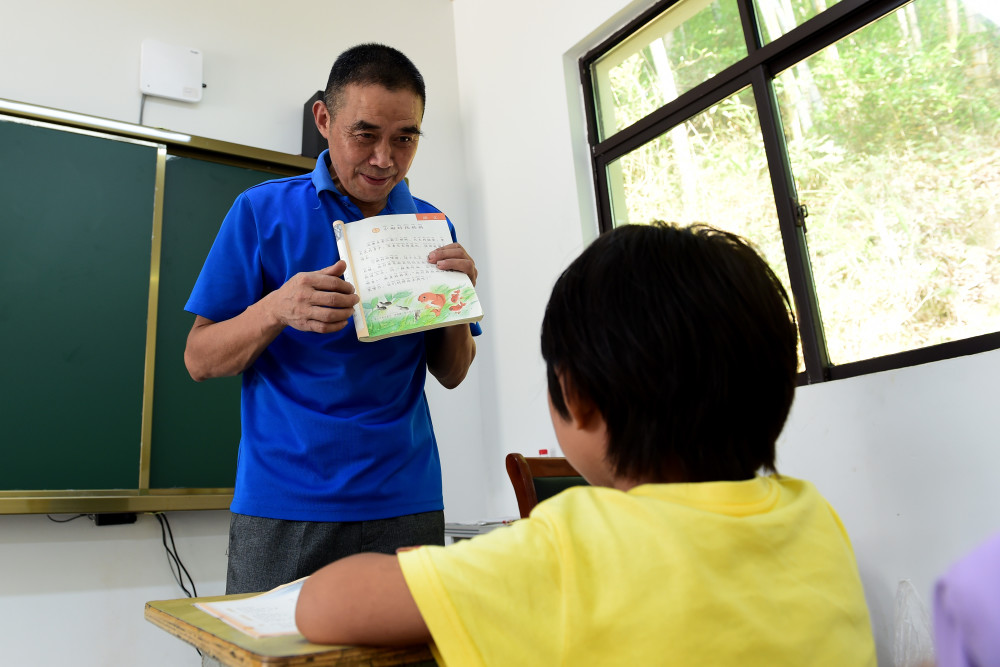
[(196, 426), (88, 242), (76, 216)]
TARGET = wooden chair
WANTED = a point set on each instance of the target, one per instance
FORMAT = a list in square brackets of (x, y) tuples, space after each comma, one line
[(537, 478)]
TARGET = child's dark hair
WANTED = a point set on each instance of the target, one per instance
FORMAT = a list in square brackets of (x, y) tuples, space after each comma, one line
[(685, 341), (372, 64)]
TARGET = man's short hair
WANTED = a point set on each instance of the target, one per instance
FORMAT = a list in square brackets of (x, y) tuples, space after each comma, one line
[(685, 340), (372, 64)]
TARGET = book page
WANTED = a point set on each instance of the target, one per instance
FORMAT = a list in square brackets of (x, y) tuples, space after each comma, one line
[(266, 615), (393, 253), (400, 290)]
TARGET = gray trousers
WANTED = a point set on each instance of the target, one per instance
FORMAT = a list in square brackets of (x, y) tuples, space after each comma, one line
[(264, 553)]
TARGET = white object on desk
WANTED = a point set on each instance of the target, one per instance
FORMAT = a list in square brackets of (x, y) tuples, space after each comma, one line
[(269, 614), (453, 532)]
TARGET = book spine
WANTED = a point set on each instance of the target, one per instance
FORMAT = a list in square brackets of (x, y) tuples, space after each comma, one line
[(344, 248)]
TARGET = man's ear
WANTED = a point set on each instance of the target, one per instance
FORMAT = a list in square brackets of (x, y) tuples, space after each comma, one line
[(583, 411), (322, 117)]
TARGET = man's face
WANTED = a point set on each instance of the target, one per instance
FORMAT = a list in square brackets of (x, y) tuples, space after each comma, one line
[(372, 140)]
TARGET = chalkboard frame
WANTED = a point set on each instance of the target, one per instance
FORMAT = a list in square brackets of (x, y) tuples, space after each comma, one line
[(167, 144)]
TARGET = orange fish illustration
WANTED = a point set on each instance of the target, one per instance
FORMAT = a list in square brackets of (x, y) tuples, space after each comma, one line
[(435, 302), (458, 304)]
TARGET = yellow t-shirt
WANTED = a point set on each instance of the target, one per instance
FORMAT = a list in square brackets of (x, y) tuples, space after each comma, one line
[(758, 572)]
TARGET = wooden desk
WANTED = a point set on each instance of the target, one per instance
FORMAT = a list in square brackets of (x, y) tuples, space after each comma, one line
[(231, 647)]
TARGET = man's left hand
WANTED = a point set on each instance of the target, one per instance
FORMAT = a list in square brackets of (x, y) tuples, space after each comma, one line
[(453, 257)]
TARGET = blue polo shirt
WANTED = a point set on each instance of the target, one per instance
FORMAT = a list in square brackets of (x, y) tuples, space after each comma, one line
[(332, 429)]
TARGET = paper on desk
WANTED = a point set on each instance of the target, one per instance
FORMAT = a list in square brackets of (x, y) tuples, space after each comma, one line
[(266, 615), (483, 522)]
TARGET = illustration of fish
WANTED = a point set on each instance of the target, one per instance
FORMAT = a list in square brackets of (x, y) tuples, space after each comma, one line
[(458, 304), (389, 308), (436, 301)]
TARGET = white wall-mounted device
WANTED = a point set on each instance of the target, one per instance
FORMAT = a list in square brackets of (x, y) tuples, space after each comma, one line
[(170, 71)]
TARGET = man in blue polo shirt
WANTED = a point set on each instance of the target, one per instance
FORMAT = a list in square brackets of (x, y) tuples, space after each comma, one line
[(337, 454)]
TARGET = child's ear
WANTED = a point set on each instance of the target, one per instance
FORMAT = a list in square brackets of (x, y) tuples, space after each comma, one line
[(583, 411)]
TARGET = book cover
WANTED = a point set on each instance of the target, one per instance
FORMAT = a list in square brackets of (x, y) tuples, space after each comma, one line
[(400, 291)]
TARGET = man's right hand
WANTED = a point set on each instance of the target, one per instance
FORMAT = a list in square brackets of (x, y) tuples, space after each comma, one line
[(317, 301), (312, 301)]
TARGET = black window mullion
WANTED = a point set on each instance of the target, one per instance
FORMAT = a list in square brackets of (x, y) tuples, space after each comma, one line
[(590, 105), (622, 33), (762, 64), (666, 117), (793, 229), (841, 19), (829, 27), (751, 32), (597, 165), (916, 356), (605, 216)]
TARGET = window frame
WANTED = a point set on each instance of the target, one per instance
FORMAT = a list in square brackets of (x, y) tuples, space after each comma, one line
[(757, 70)]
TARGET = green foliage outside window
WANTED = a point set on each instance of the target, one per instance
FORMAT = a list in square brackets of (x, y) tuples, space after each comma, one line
[(893, 138)]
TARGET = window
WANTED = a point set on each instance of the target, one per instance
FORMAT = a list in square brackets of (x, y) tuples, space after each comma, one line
[(855, 142)]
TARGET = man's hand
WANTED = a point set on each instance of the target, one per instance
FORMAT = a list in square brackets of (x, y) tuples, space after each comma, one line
[(450, 350), (453, 257), (317, 301), (311, 301)]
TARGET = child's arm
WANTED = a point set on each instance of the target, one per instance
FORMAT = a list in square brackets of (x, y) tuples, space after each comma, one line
[(361, 599)]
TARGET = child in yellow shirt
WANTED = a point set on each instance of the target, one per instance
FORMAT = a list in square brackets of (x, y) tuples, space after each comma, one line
[(671, 361)]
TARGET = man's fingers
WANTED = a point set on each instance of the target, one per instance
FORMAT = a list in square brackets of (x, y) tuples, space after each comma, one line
[(450, 251), (466, 266), (334, 300), (316, 300), (328, 279), (325, 327), (453, 257), (335, 269), (327, 317)]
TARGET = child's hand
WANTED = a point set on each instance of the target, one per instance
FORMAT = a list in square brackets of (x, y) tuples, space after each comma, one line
[(402, 549)]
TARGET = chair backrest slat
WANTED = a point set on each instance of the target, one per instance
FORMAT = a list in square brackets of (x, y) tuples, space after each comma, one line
[(537, 478)]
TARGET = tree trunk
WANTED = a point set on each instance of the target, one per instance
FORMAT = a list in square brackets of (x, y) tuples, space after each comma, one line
[(915, 34), (978, 66), (683, 158), (951, 12), (831, 51), (797, 117)]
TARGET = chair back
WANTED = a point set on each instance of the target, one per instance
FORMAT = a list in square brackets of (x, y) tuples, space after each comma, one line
[(536, 478)]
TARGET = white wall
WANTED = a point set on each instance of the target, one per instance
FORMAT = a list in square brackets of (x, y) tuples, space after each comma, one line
[(909, 458), (505, 156), (74, 593), (262, 61), (529, 194)]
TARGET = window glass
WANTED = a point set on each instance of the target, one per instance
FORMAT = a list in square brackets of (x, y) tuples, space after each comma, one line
[(711, 168), (689, 43), (890, 146), (894, 142), (776, 17)]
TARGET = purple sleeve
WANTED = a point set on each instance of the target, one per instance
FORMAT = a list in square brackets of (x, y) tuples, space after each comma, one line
[(967, 609)]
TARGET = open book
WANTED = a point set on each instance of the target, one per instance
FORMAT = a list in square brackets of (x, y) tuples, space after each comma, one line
[(400, 291), (268, 614)]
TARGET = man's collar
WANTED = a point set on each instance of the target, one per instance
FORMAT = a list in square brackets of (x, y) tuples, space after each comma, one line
[(321, 174), (400, 200)]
